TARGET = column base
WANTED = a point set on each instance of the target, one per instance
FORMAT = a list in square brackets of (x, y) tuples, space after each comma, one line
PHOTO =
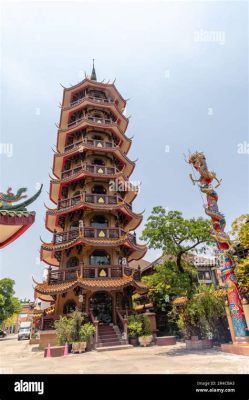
[(236, 348)]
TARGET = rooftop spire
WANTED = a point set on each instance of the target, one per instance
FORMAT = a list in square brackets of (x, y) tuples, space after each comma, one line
[(93, 74)]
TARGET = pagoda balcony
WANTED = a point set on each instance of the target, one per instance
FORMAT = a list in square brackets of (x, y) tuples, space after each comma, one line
[(98, 100), (91, 142), (92, 233), (91, 199), (100, 199), (95, 120), (90, 271), (93, 169)]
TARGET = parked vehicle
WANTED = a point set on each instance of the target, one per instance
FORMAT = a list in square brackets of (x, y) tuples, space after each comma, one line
[(2, 333), (24, 330)]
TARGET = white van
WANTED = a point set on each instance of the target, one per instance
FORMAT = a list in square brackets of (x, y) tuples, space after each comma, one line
[(24, 331)]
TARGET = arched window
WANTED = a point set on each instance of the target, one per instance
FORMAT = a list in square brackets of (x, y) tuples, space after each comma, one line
[(72, 262), (69, 307), (99, 221), (100, 257), (74, 225), (98, 161), (97, 137), (98, 189)]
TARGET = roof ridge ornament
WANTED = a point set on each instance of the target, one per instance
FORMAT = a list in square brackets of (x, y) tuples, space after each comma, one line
[(93, 74)]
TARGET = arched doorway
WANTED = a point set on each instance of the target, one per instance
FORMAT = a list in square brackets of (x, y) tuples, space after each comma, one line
[(101, 304)]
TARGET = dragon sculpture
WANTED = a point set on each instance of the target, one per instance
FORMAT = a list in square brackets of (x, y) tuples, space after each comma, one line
[(227, 264), (7, 199)]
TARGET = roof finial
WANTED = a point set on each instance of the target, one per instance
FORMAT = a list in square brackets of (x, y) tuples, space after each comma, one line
[(93, 74)]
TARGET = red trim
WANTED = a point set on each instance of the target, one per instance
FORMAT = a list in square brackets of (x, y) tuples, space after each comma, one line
[(15, 236)]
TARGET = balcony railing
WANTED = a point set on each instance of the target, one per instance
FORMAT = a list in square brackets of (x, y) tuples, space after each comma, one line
[(93, 98), (89, 271), (90, 233), (95, 120), (91, 142), (94, 169), (102, 199), (72, 201)]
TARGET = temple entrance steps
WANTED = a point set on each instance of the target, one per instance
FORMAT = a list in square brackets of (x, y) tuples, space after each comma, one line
[(110, 338)]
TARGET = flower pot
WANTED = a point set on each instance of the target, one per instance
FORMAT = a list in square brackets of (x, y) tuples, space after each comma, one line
[(133, 341), (78, 347), (145, 340)]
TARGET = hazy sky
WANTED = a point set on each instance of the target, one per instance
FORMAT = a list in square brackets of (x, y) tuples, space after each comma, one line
[(184, 66)]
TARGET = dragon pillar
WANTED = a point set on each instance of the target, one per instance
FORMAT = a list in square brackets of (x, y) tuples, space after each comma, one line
[(227, 264)]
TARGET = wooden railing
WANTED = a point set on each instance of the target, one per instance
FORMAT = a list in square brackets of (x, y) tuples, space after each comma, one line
[(93, 98), (72, 201), (96, 120), (101, 169), (92, 199), (91, 233), (88, 271), (122, 324), (70, 172), (91, 142), (95, 322), (92, 168)]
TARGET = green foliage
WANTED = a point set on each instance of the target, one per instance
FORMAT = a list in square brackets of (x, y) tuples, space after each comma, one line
[(134, 326), (71, 330), (86, 331), (204, 316), (63, 329), (240, 231), (175, 235), (146, 327), (166, 283), (9, 304), (139, 325), (76, 322)]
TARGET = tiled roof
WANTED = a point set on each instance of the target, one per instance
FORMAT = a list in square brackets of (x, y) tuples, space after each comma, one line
[(13, 213), (90, 283)]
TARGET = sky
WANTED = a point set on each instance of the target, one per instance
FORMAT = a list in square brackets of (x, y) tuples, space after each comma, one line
[(182, 65)]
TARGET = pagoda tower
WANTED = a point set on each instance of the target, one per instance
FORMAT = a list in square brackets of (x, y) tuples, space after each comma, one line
[(93, 222)]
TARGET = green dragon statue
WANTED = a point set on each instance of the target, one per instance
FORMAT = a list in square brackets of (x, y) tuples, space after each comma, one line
[(7, 199)]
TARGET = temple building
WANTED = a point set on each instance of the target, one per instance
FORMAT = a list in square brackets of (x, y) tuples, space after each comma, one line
[(93, 221)]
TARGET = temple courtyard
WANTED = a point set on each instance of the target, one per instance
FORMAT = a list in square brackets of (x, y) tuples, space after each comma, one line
[(20, 357)]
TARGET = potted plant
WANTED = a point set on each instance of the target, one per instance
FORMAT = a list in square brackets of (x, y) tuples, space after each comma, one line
[(134, 329), (86, 332), (63, 330), (76, 337), (145, 337)]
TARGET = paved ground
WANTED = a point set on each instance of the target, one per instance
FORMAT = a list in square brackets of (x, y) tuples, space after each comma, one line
[(20, 357)]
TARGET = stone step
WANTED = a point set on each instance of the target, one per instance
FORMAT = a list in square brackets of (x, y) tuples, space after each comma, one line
[(111, 348), (111, 339), (109, 343), (108, 334)]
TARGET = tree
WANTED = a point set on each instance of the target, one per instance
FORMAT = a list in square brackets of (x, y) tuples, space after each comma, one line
[(204, 316), (175, 235), (240, 232), (165, 283), (9, 304)]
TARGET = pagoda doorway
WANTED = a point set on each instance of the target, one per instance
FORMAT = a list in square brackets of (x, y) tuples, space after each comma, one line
[(101, 305)]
